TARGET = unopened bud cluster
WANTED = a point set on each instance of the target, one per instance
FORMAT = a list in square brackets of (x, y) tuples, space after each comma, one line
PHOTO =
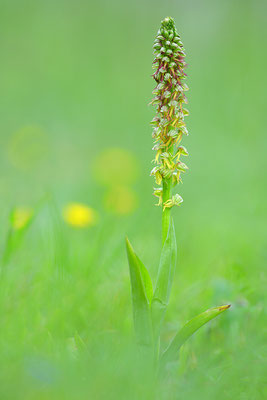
[(169, 125)]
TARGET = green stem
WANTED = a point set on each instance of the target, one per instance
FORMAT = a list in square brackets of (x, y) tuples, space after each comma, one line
[(166, 214)]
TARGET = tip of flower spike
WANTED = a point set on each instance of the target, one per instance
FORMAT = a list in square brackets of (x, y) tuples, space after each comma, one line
[(168, 23)]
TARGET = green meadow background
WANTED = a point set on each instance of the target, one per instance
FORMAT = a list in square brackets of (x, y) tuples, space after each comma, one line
[(75, 81)]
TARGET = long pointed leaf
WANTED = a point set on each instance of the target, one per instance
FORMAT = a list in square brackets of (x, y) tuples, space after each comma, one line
[(146, 280), (164, 280), (141, 310), (188, 329)]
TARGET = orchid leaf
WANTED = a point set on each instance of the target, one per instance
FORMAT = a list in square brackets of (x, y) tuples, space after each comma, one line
[(172, 352), (140, 302), (146, 280)]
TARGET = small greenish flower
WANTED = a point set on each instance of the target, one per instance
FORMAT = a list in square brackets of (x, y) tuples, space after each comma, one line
[(176, 200), (158, 193)]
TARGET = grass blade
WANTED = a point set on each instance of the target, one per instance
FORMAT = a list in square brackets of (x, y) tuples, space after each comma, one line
[(141, 309), (18, 226), (172, 352)]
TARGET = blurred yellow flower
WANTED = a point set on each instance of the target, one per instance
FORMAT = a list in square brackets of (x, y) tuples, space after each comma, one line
[(115, 165), (20, 217), (79, 215), (120, 200)]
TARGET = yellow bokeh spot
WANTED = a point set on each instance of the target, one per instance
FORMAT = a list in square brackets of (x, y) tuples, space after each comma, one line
[(79, 215), (20, 217), (121, 200), (115, 165)]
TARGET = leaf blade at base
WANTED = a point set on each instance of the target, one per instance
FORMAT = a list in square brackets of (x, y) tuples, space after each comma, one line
[(172, 352), (140, 302)]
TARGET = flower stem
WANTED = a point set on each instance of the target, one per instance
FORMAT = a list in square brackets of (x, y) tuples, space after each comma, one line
[(166, 213)]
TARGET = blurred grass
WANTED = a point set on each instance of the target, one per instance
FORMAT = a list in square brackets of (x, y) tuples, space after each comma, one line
[(75, 80)]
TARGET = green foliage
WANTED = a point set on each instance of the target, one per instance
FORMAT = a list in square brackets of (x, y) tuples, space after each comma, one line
[(147, 283), (18, 227), (140, 282), (171, 353)]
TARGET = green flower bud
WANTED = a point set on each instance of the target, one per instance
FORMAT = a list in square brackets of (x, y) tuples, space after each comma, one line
[(167, 94), (166, 59)]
